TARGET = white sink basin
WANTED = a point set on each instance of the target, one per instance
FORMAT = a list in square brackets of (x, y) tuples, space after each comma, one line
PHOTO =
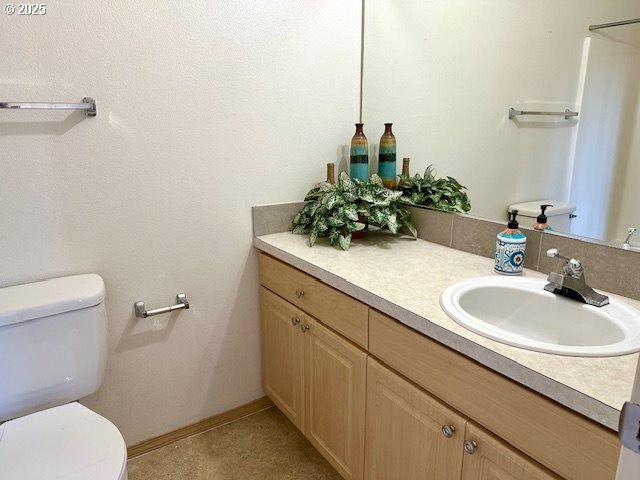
[(518, 312)]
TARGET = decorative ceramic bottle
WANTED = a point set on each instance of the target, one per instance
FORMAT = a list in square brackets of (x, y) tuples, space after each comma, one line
[(331, 176), (405, 167), (359, 167), (510, 247), (387, 157)]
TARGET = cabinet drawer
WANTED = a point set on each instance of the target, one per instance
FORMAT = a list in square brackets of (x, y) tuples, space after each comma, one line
[(565, 442), (342, 313)]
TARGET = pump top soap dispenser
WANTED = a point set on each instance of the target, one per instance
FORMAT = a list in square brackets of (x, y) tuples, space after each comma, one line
[(541, 222), (510, 247)]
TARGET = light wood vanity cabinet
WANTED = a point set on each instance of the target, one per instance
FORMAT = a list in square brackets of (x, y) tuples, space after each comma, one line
[(335, 391), (404, 431), (412, 436), (319, 380), (561, 440), (283, 355), (494, 460), (340, 312)]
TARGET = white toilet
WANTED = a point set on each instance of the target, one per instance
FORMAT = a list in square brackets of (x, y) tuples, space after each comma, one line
[(559, 214), (52, 352)]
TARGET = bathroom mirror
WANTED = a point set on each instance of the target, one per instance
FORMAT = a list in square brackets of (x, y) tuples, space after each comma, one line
[(446, 72)]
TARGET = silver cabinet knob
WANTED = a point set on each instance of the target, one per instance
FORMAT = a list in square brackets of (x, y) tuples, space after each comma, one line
[(299, 293), (304, 328), (295, 321), (448, 430), (470, 446)]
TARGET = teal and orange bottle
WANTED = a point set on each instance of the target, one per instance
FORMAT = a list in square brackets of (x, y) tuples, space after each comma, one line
[(387, 157), (359, 165)]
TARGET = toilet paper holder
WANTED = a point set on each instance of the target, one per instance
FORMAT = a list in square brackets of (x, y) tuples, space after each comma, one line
[(181, 303)]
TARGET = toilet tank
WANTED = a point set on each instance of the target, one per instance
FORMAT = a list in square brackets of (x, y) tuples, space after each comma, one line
[(52, 343), (559, 215)]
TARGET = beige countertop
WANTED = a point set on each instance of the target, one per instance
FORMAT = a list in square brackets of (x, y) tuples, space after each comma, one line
[(404, 278)]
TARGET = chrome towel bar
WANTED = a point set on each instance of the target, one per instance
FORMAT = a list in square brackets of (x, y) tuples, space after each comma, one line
[(613, 24), (88, 105), (567, 114), (142, 312)]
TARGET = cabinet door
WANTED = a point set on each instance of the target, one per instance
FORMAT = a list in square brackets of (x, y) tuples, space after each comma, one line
[(282, 355), (335, 387), (405, 438), (493, 460)]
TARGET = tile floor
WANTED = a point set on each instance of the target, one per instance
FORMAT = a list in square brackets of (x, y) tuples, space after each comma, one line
[(263, 446)]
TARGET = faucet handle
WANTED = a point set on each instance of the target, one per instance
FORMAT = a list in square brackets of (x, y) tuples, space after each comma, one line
[(630, 232), (553, 252), (572, 266)]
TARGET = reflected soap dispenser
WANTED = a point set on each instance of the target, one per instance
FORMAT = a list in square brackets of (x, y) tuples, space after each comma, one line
[(510, 248), (541, 222)]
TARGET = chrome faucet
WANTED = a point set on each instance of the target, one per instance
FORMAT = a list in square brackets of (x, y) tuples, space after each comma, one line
[(630, 232), (571, 283)]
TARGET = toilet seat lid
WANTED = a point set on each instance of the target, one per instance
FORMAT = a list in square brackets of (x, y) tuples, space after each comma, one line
[(69, 442)]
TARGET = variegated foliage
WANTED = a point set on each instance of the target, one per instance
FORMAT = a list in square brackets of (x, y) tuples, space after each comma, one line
[(439, 193), (337, 210)]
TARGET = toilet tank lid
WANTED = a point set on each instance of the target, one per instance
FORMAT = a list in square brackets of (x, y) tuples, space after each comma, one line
[(532, 209), (29, 301)]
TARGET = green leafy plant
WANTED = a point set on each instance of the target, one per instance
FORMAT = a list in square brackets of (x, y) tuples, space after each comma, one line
[(338, 210), (440, 193)]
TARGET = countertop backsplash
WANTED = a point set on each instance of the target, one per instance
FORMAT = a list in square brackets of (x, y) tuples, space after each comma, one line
[(607, 267)]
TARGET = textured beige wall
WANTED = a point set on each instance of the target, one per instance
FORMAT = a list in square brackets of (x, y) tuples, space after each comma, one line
[(204, 109)]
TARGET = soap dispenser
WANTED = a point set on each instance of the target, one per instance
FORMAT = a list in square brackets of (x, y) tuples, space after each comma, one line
[(510, 248), (541, 222)]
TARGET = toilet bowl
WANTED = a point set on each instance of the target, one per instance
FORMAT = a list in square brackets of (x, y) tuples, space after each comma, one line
[(69, 442), (52, 353)]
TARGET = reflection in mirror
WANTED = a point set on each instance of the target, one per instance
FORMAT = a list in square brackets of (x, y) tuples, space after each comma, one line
[(446, 72)]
